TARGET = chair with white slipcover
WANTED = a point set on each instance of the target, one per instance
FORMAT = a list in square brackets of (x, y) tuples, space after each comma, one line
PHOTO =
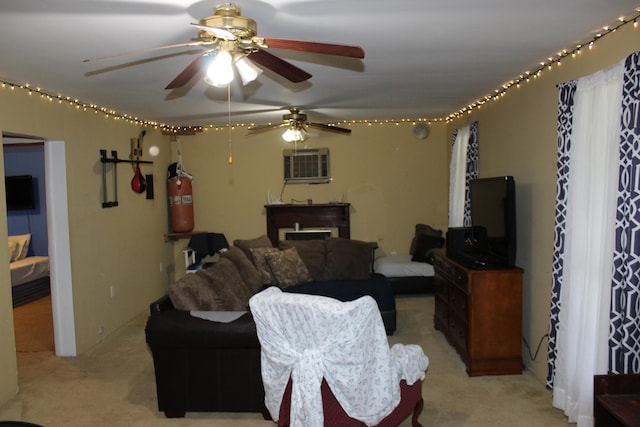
[(327, 362)]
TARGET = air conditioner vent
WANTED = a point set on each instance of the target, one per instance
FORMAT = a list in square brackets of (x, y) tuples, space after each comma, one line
[(307, 166)]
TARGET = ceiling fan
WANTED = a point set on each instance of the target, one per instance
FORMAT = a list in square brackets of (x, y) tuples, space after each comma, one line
[(233, 40), (296, 124)]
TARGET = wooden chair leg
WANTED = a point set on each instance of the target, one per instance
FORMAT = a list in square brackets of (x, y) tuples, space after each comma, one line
[(416, 413)]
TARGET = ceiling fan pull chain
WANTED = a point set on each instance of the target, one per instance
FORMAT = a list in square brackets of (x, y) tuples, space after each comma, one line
[(229, 122)]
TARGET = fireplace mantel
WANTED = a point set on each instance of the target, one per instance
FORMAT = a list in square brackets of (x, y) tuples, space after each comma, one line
[(330, 215)]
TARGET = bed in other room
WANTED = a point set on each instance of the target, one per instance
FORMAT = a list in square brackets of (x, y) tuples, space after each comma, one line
[(29, 274)]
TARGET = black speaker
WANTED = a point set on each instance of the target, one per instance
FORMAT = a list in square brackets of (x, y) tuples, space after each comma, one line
[(466, 241)]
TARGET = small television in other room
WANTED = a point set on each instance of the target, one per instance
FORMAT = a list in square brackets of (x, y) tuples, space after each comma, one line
[(20, 192), (493, 209)]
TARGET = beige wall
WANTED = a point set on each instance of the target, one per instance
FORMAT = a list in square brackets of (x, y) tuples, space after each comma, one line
[(391, 179), (517, 137), (120, 247)]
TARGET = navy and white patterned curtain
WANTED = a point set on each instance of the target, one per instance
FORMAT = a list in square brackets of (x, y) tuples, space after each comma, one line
[(624, 328), (566, 92), (624, 336), (472, 170), (471, 167)]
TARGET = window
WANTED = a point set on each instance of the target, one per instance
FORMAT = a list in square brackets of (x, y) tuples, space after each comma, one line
[(309, 166)]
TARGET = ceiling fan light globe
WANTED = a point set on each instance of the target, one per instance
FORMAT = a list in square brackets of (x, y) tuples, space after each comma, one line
[(289, 135), (220, 72), (248, 70), (295, 135)]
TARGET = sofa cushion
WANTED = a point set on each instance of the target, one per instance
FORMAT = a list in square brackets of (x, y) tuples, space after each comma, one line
[(348, 259), (423, 229), (377, 286), (313, 254), (192, 292), (425, 244), (246, 244), (258, 255), (248, 271), (287, 268), (218, 288)]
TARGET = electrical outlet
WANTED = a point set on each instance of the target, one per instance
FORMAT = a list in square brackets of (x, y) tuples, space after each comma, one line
[(161, 267), (112, 291)]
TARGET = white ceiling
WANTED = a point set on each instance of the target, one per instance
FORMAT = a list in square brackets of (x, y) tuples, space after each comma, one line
[(424, 58)]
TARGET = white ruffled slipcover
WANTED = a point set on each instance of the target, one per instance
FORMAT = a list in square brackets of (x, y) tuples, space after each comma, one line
[(309, 337)]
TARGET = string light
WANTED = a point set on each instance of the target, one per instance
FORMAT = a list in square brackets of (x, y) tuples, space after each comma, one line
[(192, 130), (550, 61)]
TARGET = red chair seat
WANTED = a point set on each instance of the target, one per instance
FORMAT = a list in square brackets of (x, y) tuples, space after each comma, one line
[(334, 416)]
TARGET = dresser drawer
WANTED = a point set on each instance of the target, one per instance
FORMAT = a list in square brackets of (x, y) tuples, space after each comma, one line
[(460, 277), (443, 267), (458, 301), (441, 315), (458, 334), (441, 287)]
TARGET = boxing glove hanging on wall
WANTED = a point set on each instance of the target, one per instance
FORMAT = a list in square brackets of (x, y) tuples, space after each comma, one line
[(138, 183)]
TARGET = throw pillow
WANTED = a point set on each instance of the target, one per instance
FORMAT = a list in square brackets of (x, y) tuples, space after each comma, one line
[(250, 274), (22, 248), (12, 249), (260, 261), (425, 245), (348, 259), (421, 229), (228, 285), (219, 288), (287, 267), (192, 292), (313, 254), (246, 244)]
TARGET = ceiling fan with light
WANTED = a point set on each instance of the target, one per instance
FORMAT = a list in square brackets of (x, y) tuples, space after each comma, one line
[(296, 124), (233, 40)]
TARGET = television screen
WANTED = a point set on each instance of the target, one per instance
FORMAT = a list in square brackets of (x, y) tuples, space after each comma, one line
[(20, 192), (493, 208)]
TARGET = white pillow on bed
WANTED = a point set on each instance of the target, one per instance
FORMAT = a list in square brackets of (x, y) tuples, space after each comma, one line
[(22, 246), (13, 245)]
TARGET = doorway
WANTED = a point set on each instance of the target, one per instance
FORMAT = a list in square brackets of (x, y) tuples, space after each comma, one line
[(57, 220)]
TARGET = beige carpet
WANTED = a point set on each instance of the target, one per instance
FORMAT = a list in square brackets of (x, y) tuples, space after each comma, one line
[(113, 385)]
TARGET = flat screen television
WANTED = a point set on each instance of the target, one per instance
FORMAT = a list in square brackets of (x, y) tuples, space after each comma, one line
[(493, 208), (20, 192)]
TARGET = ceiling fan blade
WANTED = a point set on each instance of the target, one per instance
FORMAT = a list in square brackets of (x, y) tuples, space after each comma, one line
[(280, 66), (187, 74), (151, 49), (316, 47), (220, 33), (254, 130), (330, 128)]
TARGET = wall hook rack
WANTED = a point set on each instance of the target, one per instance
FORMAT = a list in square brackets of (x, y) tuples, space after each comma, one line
[(115, 160)]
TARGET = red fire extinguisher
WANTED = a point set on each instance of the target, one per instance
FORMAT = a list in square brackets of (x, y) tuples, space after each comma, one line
[(180, 199)]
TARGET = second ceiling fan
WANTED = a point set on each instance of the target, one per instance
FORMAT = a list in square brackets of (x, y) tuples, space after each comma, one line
[(297, 124), (234, 40)]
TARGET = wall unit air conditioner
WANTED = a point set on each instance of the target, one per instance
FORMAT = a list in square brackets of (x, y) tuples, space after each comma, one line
[(307, 166)]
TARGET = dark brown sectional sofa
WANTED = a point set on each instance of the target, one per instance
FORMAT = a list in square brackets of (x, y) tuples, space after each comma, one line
[(202, 365)]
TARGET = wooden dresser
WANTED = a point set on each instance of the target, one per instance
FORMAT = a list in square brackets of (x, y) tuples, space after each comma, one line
[(480, 313)]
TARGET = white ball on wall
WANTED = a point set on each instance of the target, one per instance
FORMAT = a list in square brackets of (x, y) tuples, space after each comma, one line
[(154, 150)]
